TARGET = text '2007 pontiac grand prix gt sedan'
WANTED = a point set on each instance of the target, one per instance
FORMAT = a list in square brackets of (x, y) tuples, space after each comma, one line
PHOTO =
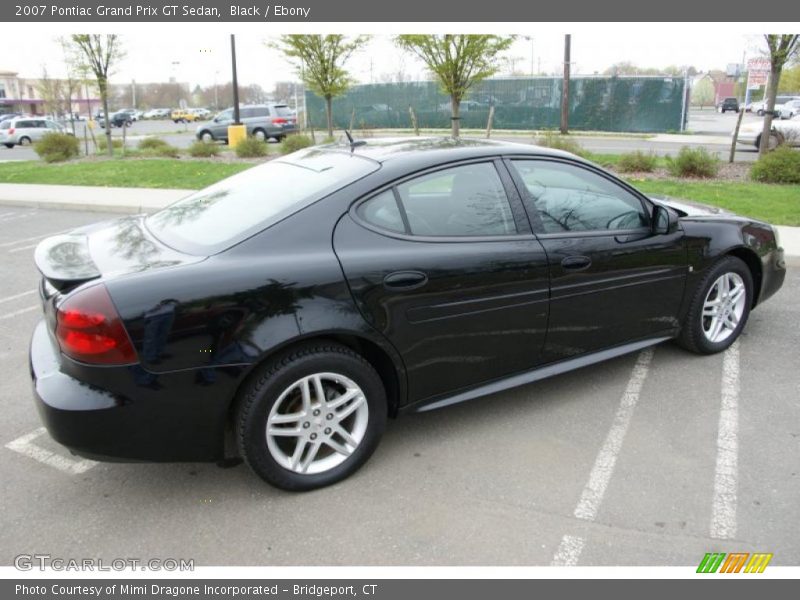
[(282, 315)]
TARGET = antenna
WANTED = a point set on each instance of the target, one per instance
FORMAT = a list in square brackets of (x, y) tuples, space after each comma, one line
[(353, 143)]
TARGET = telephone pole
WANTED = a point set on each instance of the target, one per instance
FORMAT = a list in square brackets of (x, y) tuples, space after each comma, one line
[(565, 87), (235, 82)]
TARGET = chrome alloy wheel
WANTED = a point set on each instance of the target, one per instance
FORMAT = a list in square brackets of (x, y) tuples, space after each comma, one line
[(317, 423), (723, 307)]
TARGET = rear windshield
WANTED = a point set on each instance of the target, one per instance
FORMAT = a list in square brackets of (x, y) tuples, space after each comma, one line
[(234, 209), (282, 110), (5, 125)]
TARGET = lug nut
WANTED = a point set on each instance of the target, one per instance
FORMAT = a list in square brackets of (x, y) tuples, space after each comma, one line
[(329, 416), (316, 413), (327, 431), (306, 425), (313, 436)]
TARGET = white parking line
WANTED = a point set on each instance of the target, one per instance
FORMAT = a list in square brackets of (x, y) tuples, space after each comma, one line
[(21, 248), (11, 315), (570, 548), (14, 216), (723, 506), (25, 446), (15, 296), (30, 239)]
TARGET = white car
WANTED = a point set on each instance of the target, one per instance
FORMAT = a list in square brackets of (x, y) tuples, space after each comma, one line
[(783, 132), (790, 109), (22, 131)]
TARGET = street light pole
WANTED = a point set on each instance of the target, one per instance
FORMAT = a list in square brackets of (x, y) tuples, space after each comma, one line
[(235, 82), (565, 87)]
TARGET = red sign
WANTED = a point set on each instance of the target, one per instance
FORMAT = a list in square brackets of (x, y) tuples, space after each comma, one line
[(757, 72)]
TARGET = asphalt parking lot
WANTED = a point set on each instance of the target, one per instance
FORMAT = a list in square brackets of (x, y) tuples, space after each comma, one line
[(704, 122), (650, 459)]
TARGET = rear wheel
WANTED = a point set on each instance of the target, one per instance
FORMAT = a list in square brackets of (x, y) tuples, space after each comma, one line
[(260, 135), (24, 141), (311, 417), (775, 140), (719, 308)]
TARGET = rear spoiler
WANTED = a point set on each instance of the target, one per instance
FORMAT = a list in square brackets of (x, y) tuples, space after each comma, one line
[(64, 261)]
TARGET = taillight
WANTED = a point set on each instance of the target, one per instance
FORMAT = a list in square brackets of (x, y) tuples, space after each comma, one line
[(279, 121), (11, 131), (89, 329)]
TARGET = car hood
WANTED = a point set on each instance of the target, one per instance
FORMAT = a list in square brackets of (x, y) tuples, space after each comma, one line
[(689, 208)]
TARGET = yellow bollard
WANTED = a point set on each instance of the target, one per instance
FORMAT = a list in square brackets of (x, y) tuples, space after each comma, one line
[(236, 133)]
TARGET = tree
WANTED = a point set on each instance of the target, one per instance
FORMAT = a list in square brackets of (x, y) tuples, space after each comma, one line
[(782, 48), (703, 92), (52, 93), (98, 53), (790, 80), (320, 60), (458, 62)]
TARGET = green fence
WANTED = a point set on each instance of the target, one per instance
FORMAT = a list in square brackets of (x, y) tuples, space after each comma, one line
[(638, 104)]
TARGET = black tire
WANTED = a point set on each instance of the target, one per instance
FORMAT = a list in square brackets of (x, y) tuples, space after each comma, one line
[(692, 336), (260, 135), (775, 140), (9, 145), (257, 399), (206, 137)]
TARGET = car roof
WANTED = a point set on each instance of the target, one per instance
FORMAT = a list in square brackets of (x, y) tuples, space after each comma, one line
[(438, 148)]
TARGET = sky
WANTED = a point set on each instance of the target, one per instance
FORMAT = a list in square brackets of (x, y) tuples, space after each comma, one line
[(202, 59)]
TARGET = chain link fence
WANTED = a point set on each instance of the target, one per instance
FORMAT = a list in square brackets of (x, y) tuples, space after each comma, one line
[(629, 104)]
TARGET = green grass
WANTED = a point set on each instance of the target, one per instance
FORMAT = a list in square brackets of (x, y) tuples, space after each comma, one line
[(146, 173), (776, 204)]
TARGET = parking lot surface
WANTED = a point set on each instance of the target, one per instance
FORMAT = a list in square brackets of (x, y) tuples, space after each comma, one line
[(651, 459)]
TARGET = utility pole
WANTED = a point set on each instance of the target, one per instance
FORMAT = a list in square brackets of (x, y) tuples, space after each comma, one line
[(133, 93), (565, 87), (236, 119)]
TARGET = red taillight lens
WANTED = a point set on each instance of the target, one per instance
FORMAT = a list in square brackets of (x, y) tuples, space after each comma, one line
[(11, 131), (89, 329), (279, 121)]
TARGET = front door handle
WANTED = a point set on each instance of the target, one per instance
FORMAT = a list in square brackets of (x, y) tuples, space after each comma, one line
[(576, 263), (405, 280)]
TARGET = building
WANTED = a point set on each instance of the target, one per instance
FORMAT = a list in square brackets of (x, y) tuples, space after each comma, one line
[(40, 96)]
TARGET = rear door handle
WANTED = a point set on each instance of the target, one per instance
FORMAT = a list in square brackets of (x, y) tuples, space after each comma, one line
[(576, 263), (405, 280)]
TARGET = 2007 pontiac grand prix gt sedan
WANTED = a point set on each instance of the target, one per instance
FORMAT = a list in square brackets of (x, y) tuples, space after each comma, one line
[(283, 314)]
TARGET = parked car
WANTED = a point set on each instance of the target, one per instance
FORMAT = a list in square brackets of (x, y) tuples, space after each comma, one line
[(117, 119), (381, 277), (790, 109), (22, 131), (760, 107), (263, 121), (134, 114), (728, 104), (202, 113), (180, 115), (783, 132), (157, 113)]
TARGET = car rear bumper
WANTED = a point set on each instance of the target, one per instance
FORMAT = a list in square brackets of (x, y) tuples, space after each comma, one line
[(155, 425)]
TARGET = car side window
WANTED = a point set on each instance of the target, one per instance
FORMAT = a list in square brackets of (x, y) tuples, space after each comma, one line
[(246, 113), (571, 198), (24, 125), (382, 211), (468, 200), (261, 112)]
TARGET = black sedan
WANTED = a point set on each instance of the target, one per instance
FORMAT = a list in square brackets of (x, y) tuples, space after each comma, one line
[(283, 314)]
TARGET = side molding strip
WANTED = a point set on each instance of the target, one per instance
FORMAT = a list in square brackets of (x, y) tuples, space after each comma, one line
[(536, 374)]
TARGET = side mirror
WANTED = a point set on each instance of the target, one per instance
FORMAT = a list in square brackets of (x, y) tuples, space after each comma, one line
[(664, 220)]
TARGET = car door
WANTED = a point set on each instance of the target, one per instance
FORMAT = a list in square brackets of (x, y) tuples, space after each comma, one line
[(445, 266), (612, 279), (219, 126)]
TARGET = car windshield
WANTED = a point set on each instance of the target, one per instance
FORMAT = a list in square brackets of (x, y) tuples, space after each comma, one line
[(236, 208), (5, 125)]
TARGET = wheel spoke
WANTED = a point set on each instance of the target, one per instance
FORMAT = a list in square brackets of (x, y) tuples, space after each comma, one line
[(344, 398), (716, 326), (340, 448), (319, 390), (345, 435), (294, 461), (736, 293), (306, 392), (278, 419), (284, 431), (310, 456), (350, 408)]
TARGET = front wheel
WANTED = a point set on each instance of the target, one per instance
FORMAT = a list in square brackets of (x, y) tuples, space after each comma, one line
[(311, 417), (206, 137), (9, 145), (719, 309), (774, 141)]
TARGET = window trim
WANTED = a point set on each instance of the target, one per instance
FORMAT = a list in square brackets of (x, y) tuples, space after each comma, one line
[(509, 188), (536, 219)]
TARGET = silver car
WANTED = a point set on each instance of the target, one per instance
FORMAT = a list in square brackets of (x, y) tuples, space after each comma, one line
[(263, 121), (23, 131)]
